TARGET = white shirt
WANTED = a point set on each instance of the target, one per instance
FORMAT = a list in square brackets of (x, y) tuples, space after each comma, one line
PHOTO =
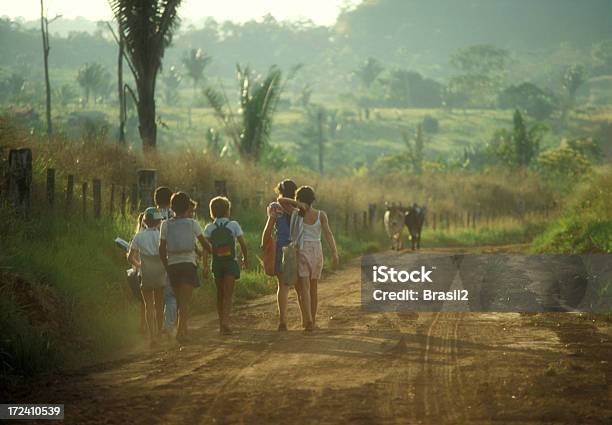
[(312, 232), (182, 257), (146, 242)]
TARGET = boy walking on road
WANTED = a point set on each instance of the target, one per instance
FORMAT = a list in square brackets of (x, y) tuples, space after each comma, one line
[(222, 235)]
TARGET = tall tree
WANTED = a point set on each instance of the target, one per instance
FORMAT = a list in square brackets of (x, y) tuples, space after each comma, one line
[(415, 148), (120, 88), (573, 78), (519, 147), (195, 61), (172, 80), (93, 79), (44, 29), (147, 27), (313, 137), (368, 72), (482, 70), (250, 133)]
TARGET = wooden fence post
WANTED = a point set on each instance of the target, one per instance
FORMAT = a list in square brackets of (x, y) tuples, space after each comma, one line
[(147, 182), (365, 221), (3, 174), (69, 194), (84, 196), (346, 223), (111, 208), (336, 224), (134, 198), (97, 198), (372, 215), (122, 201), (20, 179), (51, 186)]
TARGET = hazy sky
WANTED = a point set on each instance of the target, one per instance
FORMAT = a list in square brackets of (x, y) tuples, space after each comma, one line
[(320, 11)]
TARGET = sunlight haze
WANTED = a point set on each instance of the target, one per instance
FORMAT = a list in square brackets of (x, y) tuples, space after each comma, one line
[(323, 12)]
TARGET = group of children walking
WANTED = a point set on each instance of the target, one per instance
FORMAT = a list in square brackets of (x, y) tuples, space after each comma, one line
[(165, 251)]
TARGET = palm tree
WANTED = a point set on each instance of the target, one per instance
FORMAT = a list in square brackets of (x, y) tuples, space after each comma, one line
[(93, 78), (195, 61), (146, 27), (258, 101), (172, 80)]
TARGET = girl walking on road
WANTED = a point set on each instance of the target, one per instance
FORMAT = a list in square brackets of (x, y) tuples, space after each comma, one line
[(310, 225), (144, 255), (278, 220)]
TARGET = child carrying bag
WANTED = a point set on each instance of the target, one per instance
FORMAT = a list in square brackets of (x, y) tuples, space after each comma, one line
[(290, 274)]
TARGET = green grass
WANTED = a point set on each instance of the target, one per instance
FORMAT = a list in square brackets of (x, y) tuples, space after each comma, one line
[(519, 234), (586, 225)]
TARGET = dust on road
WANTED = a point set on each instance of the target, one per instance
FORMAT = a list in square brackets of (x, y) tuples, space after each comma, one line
[(385, 368)]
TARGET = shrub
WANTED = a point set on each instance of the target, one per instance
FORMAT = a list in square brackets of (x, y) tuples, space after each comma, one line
[(431, 124)]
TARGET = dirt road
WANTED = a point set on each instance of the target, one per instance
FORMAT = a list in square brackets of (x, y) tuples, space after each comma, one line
[(358, 368)]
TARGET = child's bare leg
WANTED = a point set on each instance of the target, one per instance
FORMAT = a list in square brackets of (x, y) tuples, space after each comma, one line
[(159, 308), (149, 304), (228, 293), (282, 299), (305, 304), (314, 299), (298, 291), (220, 296), (183, 296)]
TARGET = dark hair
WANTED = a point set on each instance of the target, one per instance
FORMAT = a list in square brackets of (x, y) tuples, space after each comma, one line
[(180, 203), (150, 221), (286, 188), (305, 194), (219, 207), (162, 196)]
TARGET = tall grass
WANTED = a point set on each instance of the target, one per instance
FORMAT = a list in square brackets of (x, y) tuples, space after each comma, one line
[(586, 225)]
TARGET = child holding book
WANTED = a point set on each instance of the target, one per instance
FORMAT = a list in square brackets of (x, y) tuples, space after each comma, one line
[(144, 255), (222, 235)]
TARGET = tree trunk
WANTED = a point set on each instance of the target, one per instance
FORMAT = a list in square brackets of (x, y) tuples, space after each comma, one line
[(122, 113), (146, 111), (320, 140), (44, 27)]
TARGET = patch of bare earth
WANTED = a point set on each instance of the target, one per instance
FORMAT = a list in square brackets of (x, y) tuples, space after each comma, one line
[(358, 368)]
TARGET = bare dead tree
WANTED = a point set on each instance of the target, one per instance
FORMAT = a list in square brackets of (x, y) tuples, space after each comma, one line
[(44, 28)]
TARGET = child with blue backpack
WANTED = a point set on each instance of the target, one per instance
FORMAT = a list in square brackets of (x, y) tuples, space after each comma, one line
[(222, 235)]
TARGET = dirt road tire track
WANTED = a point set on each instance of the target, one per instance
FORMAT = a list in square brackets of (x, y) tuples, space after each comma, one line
[(359, 368)]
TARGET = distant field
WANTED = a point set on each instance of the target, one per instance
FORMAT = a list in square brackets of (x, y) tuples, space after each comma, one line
[(366, 140)]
